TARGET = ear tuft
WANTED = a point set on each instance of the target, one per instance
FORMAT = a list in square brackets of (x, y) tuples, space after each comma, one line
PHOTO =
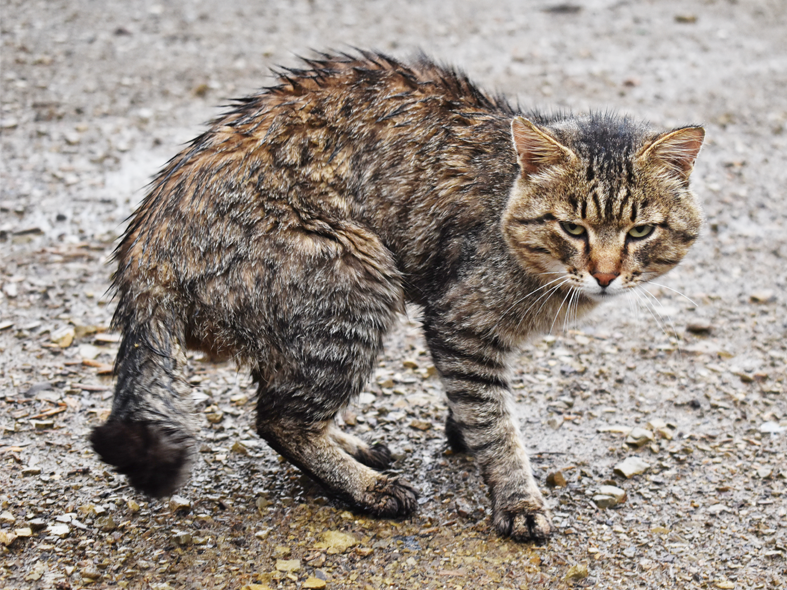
[(675, 151), (536, 148)]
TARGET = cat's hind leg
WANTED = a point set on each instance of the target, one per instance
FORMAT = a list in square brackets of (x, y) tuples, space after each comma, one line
[(313, 448), (376, 456)]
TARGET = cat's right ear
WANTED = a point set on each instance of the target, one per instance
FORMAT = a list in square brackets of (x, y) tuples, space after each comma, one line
[(536, 148)]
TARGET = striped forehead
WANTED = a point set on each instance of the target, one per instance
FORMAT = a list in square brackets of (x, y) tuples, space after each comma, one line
[(608, 197)]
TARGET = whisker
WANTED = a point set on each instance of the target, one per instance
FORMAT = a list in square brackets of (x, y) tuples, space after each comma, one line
[(674, 291), (547, 294), (649, 306), (557, 313), (520, 300), (671, 324)]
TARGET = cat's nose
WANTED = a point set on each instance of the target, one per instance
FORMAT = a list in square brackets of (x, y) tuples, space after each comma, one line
[(605, 278)]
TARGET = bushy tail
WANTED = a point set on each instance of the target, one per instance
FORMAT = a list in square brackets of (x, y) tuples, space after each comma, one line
[(149, 435)]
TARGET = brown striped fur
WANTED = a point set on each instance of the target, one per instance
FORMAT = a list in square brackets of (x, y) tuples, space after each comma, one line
[(290, 234)]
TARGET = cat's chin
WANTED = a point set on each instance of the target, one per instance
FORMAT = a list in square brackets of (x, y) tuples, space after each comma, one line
[(601, 296)]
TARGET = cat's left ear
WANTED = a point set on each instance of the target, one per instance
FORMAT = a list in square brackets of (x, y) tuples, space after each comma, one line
[(674, 151)]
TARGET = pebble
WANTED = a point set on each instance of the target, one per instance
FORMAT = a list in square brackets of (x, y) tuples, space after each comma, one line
[(27, 471), (179, 503), (639, 437), (699, 327), (366, 398), (182, 537), (42, 425), (420, 425), (59, 530), (132, 506), (578, 571), (313, 582), (609, 496), (336, 542), (764, 296), (64, 336), (24, 532), (11, 290), (7, 538), (631, 466), (555, 422), (771, 428), (37, 524), (88, 351), (105, 524), (409, 364), (7, 517), (288, 565), (556, 479)]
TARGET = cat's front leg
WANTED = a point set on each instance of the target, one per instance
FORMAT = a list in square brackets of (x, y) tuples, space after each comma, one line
[(481, 422)]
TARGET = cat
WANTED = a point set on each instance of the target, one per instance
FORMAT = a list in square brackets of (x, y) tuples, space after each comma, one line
[(290, 235)]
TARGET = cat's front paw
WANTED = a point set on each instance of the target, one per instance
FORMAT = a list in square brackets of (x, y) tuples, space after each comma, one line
[(524, 526)]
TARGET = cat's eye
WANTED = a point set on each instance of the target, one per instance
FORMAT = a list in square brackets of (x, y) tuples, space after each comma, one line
[(573, 229), (641, 231)]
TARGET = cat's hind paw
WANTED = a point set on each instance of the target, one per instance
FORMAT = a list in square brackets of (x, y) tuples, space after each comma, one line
[(390, 498), (155, 459)]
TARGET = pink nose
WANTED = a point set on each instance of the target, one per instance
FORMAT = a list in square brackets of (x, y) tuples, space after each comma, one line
[(605, 278)]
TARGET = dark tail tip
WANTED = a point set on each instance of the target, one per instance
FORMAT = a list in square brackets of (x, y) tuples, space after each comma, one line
[(155, 460)]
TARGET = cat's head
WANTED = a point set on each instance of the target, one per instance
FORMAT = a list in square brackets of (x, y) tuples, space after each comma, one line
[(600, 202)]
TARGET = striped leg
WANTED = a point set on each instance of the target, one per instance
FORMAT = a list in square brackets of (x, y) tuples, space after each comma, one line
[(480, 422)]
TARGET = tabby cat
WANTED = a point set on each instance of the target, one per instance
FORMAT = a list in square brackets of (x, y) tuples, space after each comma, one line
[(290, 235)]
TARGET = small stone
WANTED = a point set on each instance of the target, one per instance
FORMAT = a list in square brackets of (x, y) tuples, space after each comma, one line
[(24, 532), (336, 542), (764, 296), (28, 471), (618, 494), (631, 466), (578, 571), (771, 428), (7, 538), (717, 509), (699, 327), (725, 585), (431, 371), (182, 537), (556, 479), (64, 336), (90, 573), (281, 551), (105, 524), (179, 503), (59, 530), (409, 364), (364, 551), (7, 517), (11, 290), (88, 351), (420, 425), (386, 383), (639, 437), (214, 417), (239, 448), (312, 582), (288, 565), (132, 506), (42, 424), (555, 422), (366, 398), (37, 524), (765, 472)]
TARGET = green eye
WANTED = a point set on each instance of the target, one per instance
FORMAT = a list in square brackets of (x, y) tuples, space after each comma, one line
[(572, 229), (641, 231)]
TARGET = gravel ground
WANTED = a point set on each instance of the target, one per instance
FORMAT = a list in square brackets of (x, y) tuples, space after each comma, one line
[(97, 95)]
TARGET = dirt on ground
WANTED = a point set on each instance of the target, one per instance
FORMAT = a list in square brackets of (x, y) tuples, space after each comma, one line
[(657, 427)]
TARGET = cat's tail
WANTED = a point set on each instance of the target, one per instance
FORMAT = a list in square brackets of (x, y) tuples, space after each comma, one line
[(149, 435)]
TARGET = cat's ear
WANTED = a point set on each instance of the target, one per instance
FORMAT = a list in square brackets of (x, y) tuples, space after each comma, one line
[(536, 148), (674, 151)]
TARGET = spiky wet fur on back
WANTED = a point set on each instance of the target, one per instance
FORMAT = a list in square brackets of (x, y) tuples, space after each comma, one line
[(290, 234)]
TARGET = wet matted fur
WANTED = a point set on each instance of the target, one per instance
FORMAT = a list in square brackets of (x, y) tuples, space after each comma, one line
[(290, 234)]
